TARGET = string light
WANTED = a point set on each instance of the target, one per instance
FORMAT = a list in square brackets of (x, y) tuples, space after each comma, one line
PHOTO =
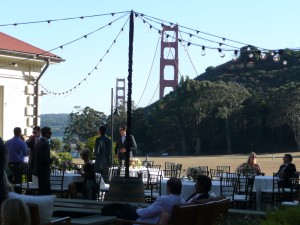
[(63, 19), (251, 55), (94, 69), (263, 56), (222, 54), (235, 55), (276, 57), (203, 51), (284, 62)]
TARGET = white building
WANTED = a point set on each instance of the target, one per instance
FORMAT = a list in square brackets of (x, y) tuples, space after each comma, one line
[(21, 67)]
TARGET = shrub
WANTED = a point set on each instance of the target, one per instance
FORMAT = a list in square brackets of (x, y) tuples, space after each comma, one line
[(287, 216)]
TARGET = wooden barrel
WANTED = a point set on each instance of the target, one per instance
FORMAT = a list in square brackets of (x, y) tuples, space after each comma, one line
[(129, 189)]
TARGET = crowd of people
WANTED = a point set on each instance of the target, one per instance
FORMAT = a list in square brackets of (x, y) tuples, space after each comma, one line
[(13, 152)]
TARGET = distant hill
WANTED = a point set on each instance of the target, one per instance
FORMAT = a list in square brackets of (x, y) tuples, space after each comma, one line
[(57, 122), (255, 74)]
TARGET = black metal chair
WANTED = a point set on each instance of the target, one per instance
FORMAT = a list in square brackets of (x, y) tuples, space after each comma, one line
[(225, 169)]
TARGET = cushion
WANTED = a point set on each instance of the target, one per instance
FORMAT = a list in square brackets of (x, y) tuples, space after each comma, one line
[(45, 203)]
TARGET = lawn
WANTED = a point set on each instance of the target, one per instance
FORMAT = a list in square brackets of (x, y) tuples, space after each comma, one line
[(269, 162)]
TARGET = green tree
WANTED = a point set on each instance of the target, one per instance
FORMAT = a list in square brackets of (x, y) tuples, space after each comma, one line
[(228, 99), (67, 147), (83, 124), (285, 108), (80, 146), (55, 144)]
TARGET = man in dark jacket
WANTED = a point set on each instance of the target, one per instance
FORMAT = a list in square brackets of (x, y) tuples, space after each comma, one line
[(42, 166), (120, 149), (102, 150), (203, 186)]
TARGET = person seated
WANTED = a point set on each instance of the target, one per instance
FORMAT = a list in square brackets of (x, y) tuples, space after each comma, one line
[(14, 211), (87, 187), (203, 186), (286, 170), (251, 166), (152, 213)]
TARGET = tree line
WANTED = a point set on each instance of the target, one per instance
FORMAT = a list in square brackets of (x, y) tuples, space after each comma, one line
[(241, 106)]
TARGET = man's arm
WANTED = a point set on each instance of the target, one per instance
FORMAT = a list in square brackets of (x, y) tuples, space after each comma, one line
[(153, 210)]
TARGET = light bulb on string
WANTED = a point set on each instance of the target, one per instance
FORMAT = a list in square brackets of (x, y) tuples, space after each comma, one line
[(49, 23), (251, 55), (187, 46), (263, 56), (276, 57), (150, 29), (284, 62), (190, 37), (248, 48), (222, 54), (235, 56), (272, 53), (203, 51)]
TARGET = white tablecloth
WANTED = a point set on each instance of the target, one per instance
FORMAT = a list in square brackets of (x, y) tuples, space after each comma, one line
[(133, 172), (69, 177), (188, 187)]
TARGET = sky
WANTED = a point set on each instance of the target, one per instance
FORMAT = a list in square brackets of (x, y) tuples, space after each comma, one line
[(266, 24)]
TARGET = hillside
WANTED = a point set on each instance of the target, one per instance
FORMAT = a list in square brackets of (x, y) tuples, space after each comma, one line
[(255, 74), (57, 122)]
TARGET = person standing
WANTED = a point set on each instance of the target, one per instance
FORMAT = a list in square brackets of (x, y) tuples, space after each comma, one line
[(102, 150), (36, 134), (16, 150), (43, 161), (120, 148)]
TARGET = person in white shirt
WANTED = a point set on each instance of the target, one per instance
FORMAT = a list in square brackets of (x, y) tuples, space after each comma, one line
[(152, 213)]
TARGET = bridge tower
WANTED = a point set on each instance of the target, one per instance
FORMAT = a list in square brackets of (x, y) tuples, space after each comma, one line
[(120, 91), (166, 47)]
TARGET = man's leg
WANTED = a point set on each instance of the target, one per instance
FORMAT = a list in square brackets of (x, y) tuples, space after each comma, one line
[(44, 184)]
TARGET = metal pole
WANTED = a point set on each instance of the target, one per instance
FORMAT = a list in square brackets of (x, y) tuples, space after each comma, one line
[(112, 125), (130, 54)]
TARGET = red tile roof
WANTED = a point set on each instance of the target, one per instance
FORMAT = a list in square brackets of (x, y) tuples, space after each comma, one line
[(11, 44)]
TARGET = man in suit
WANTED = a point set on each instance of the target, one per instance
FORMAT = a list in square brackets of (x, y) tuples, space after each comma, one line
[(287, 166), (164, 203), (102, 150), (36, 133), (286, 170), (203, 186), (120, 148), (43, 161)]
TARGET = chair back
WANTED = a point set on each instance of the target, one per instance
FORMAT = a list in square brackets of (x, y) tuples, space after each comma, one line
[(55, 171), (193, 214), (178, 170), (215, 174), (57, 182), (287, 185), (225, 169), (244, 186), (168, 165), (227, 184)]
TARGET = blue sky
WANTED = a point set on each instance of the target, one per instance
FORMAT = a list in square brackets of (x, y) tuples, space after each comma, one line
[(267, 24)]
